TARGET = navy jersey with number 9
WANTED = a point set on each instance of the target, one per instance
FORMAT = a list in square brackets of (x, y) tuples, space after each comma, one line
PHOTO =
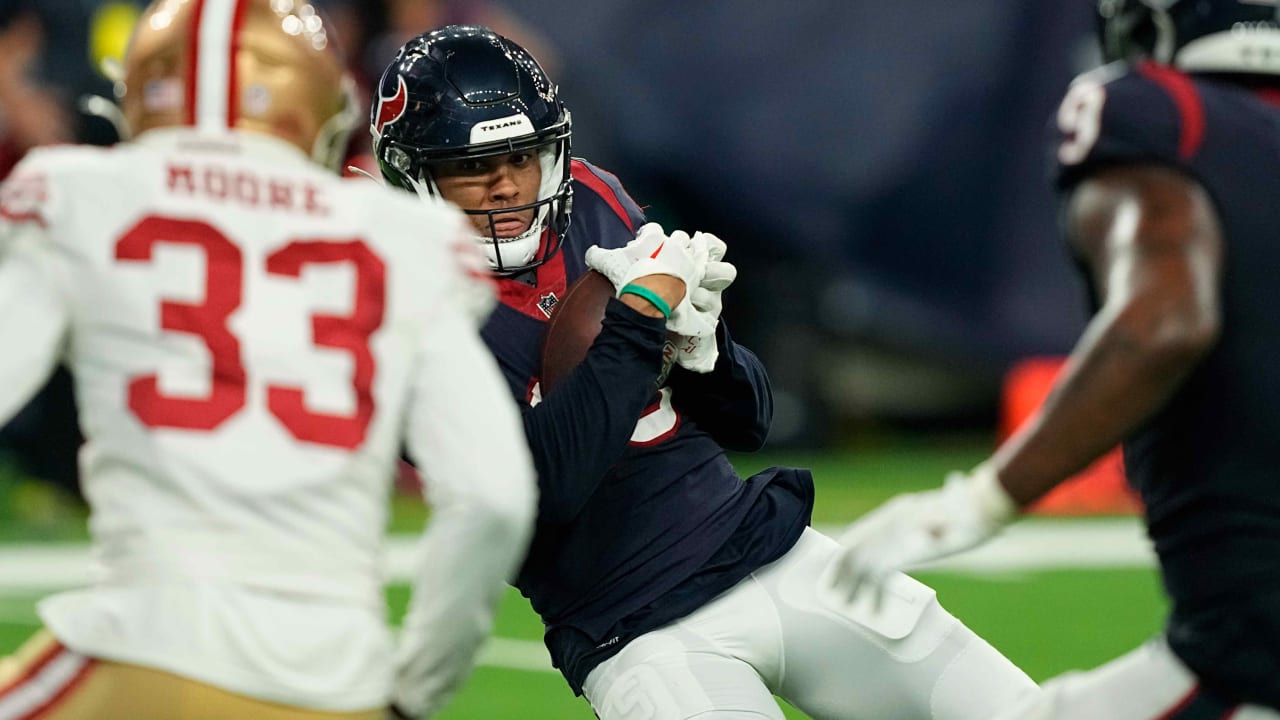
[(1206, 463)]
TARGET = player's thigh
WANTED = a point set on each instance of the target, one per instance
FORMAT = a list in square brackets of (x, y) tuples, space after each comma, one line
[(671, 674), (1149, 683), (911, 659), (46, 680)]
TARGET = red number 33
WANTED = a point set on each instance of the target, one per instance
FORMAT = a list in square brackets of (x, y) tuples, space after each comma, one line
[(208, 320)]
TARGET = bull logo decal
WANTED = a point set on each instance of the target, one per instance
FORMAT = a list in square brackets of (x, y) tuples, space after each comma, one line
[(391, 109)]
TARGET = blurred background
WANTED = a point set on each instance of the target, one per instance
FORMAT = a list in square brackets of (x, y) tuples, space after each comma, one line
[(880, 172)]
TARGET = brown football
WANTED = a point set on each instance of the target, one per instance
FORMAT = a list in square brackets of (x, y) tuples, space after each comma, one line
[(573, 326)]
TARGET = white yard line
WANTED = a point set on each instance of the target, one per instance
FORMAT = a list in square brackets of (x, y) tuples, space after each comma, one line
[(512, 654), (27, 571), (1036, 544), (1059, 544)]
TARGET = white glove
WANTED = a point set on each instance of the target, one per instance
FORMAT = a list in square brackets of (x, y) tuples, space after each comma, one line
[(919, 527), (653, 252), (699, 353), (614, 264)]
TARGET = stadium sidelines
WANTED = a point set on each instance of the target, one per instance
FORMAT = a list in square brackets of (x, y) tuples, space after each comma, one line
[(27, 570)]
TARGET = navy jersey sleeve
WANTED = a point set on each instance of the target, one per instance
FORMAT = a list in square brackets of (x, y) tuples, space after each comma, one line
[(581, 429), (734, 402), (1114, 116), (606, 186), (578, 432)]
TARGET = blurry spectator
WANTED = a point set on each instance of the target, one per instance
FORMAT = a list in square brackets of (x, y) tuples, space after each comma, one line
[(44, 435), (407, 18), (30, 114)]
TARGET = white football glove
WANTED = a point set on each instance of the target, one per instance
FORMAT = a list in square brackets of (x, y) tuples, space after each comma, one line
[(918, 527), (614, 264), (653, 252), (699, 353)]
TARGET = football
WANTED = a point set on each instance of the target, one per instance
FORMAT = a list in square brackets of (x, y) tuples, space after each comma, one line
[(573, 326)]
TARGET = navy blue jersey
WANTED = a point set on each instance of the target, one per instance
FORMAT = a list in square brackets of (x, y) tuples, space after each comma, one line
[(1208, 464), (641, 518)]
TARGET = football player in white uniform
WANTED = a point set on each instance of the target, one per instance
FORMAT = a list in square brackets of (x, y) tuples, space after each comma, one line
[(253, 341)]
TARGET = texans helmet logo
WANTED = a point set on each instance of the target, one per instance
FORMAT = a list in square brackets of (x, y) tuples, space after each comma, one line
[(391, 109)]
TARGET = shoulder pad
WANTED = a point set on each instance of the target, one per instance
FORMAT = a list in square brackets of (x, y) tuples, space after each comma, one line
[(1149, 113), (594, 185)]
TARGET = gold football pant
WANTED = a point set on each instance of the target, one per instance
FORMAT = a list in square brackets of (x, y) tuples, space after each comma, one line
[(46, 681)]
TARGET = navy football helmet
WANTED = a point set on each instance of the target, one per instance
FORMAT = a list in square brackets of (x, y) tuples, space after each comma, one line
[(465, 92), (1229, 36)]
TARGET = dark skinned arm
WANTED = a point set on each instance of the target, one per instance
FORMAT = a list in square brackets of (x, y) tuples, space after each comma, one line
[(1153, 245)]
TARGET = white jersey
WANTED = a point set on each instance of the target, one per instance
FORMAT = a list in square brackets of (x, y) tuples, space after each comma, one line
[(253, 342)]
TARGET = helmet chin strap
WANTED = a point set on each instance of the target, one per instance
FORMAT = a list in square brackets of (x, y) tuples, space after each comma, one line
[(516, 251)]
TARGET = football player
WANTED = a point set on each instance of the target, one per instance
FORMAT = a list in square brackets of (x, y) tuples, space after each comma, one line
[(669, 586), (253, 340), (1168, 163)]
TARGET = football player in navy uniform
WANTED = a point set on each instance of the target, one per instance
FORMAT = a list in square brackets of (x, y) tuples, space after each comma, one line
[(669, 586), (1169, 166)]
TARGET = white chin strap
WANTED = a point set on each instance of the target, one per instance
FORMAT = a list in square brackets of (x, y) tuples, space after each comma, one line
[(518, 250)]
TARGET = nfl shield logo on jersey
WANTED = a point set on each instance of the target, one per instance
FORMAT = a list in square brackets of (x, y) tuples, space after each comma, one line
[(547, 303)]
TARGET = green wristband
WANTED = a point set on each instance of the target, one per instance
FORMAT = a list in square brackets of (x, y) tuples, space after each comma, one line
[(647, 294)]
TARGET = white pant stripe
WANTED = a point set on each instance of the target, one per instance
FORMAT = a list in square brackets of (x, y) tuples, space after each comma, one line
[(36, 692)]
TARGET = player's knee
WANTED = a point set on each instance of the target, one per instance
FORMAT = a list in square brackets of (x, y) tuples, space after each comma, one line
[(979, 683)]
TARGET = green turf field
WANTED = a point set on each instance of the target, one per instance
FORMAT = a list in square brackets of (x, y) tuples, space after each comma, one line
[(1046, 621)]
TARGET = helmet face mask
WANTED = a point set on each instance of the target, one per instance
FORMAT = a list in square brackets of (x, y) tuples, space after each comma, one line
[(466, 93), (1227, 36)]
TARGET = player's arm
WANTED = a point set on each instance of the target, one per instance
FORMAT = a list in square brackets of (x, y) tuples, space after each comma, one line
[(734, 402), (1152, 242), (578, 432), (34, 310), (1151, 239), (1149, 236), (464, 433)]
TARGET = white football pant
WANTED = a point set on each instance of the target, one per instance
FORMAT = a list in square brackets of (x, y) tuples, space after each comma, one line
[(1149, 683), (779, 632)]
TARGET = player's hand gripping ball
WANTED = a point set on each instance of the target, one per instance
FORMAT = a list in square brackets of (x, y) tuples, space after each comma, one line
[(574, 324)]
